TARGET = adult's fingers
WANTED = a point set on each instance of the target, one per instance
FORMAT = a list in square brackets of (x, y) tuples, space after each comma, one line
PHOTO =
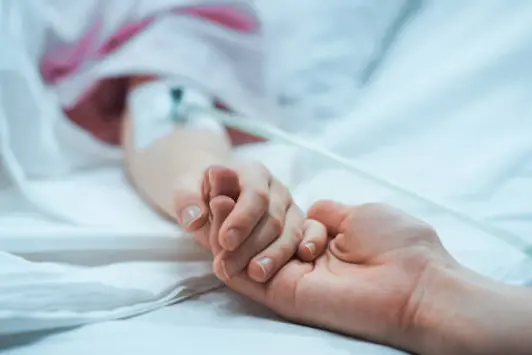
[(331, 214), (251, 207), (314, 240), (279, 293)]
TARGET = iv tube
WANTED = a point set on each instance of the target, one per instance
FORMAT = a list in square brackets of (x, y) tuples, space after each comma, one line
[(274, 134)]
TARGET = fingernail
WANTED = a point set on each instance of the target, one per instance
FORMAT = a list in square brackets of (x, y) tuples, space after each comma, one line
[(223, 270), (232, 239), (310, 248), (189, 215), (265, 265)]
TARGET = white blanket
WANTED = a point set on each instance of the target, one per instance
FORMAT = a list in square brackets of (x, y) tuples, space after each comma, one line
[(447, 115)]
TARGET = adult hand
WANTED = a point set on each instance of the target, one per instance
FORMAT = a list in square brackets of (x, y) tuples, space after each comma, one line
[(370, 283)]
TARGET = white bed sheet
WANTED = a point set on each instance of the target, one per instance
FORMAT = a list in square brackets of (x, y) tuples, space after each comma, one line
[(219, 322), (222, 322)]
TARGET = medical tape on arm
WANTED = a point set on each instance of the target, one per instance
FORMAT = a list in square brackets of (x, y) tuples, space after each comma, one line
[(156, 111)]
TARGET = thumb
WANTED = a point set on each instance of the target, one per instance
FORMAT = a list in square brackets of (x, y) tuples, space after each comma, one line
[(344, 248), (190, 204), (331, 214)]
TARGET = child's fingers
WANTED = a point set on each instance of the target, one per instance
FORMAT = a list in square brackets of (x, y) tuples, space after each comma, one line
[(279, 202), (314, 240), (221, 181), (266, 263), (217, 181), (251, 207), (267, 245), (221, 207), (191, 210), (236, 261), (331, 214)]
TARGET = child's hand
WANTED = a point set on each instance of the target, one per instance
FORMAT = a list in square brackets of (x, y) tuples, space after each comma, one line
[(253, 223), (266, 249)]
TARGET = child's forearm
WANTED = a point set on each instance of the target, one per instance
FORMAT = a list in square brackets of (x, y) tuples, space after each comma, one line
[(183, 154)]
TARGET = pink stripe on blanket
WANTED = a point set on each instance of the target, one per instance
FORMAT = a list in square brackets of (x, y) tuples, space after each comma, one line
[(228, 16), (234, 18), (62, 63), (124, 34)]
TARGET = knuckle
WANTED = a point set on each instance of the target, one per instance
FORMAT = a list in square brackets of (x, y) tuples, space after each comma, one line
[(280, 200), (428, 230), (285, 194), (288, 249), (428, 233), (296, 230), (284, 250), (276, 225), (298, 236), (263, 196), (234, 263)]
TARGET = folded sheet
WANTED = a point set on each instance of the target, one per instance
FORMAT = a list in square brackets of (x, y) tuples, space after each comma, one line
[(56, 274)]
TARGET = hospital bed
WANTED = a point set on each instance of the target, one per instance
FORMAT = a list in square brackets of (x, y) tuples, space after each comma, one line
[(446, 116)]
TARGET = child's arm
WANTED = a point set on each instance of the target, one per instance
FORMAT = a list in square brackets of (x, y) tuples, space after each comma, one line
[(182, 155), (182, 172)]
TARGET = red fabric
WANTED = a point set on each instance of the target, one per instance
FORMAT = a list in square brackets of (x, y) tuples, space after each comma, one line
[(101, 111), (67, 60), (238, 137)]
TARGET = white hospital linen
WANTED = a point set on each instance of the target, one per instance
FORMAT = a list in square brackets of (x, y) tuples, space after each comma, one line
[(164, 339), (125, 259), (321, 53), (54, 59), (448, 115), (55, 274), (394, 133)]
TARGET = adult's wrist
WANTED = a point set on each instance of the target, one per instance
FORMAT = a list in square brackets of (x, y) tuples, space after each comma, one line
[(463, 312)]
